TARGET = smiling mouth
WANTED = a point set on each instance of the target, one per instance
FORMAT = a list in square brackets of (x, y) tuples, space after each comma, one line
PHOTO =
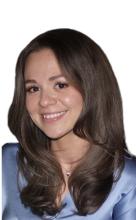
[(53, 116)]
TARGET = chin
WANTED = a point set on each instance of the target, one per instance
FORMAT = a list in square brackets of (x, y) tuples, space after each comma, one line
[(57, 136), (54, 137)]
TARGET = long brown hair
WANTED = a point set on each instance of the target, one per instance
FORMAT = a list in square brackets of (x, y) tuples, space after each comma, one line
[(101, 121)]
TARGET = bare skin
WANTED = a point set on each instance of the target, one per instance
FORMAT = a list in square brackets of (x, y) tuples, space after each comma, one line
[(69, 151)]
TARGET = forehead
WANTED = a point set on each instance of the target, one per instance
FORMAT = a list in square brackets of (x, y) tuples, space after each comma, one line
[(43, 65), (43, 61)]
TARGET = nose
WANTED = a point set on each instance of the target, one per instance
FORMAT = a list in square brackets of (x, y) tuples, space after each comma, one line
[(47, 98)]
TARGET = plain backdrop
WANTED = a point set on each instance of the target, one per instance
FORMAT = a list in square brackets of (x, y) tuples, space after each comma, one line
[(111, 23)]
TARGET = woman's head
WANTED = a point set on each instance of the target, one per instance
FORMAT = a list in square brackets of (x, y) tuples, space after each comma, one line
[(53, 103), (87, 68)]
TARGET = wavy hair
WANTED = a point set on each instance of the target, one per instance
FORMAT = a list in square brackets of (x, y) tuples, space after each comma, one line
[(101, 121)]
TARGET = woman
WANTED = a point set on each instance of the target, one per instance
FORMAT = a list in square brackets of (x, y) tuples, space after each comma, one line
[(71, 160)]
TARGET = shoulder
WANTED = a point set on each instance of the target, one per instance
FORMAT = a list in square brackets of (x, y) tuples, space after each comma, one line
[(9, 157), (128, 176), (127, 180), (10, 149), (9, 172), (124, 191), (126, 184)]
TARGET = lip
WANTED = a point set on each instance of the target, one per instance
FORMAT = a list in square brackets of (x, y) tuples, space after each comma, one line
[(51, 120)]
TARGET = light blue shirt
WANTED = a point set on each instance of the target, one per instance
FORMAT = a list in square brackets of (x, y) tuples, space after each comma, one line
[(120, 204)]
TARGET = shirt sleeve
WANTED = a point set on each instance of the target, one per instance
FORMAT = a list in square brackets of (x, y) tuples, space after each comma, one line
[(126, 208)]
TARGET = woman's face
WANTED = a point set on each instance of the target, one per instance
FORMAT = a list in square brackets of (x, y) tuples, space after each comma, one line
[(52, 102)]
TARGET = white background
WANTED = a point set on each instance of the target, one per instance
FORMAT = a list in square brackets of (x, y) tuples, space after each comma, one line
[(111, 23)]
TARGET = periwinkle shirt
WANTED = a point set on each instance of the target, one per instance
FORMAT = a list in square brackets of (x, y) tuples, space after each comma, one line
[(119, 205)]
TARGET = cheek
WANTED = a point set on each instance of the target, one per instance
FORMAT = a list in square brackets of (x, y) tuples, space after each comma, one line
[(30, 104), (74, 100)]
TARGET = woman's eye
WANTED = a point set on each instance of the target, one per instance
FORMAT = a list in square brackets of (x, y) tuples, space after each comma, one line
[(32, 89), (61, 85)]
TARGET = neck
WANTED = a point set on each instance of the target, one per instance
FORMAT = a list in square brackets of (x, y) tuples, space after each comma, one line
[(69, 150)]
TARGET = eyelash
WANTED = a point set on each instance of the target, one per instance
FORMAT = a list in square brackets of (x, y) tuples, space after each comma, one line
[(61, 83), (33, 89)]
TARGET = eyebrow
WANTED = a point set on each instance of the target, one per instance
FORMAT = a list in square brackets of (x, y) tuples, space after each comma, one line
[(55, 77), (52, 78)]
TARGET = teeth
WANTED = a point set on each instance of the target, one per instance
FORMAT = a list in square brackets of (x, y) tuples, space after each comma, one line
[(55, 115)]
